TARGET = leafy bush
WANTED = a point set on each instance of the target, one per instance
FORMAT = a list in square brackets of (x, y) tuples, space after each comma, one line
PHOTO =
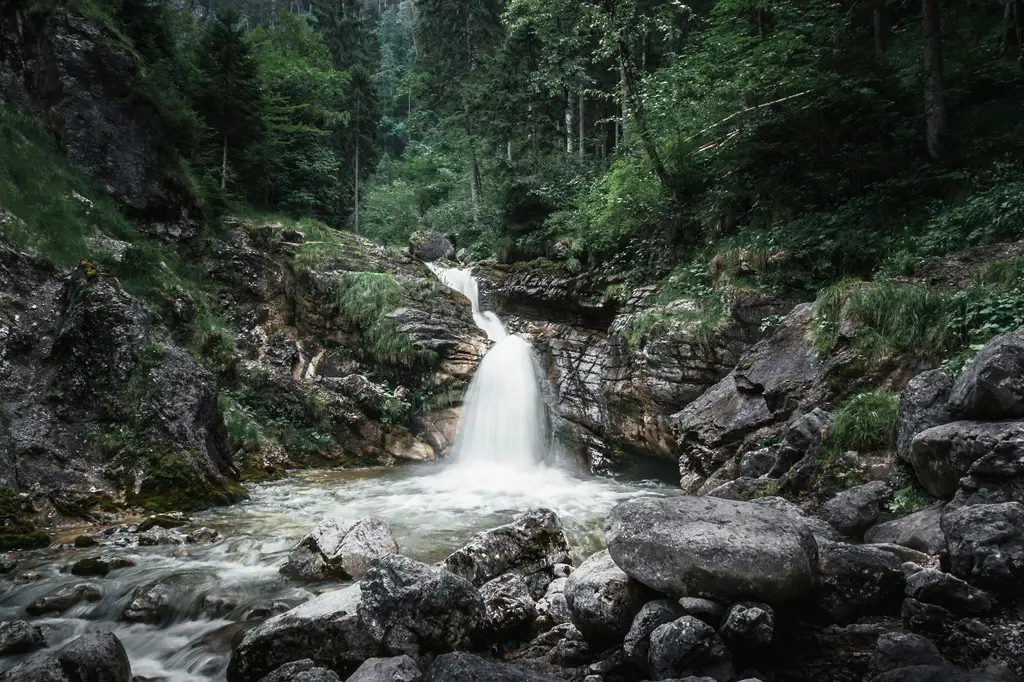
[(864, 423)]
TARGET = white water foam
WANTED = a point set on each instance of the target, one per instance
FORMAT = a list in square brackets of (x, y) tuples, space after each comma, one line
[(462, 280)]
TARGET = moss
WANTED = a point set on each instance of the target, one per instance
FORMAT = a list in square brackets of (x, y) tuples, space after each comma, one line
[(92, 566), (83, 541), (162, 521), (33, 540)]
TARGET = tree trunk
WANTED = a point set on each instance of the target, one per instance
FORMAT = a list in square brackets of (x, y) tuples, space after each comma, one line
[(636, 102), (934, 98), (474, 178), (581, 126), (623, 90), (224, 165), (356, 215), (568, 124), (881, 29), (508, 150)]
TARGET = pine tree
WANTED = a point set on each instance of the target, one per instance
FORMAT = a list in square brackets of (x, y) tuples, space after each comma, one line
[(229, 97)]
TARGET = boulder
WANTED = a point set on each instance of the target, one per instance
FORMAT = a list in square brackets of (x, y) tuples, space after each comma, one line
[(396, 669), (463, 667), (986, 545), (18, 637), (430, 246), (689, 647), (302, 671), (942, 455), (853, 511), (718, 549), (603, 600), (509, 605), (802, 438), (157, 537), (335, 548), (858, 581), (992, 385), (150, 604), (7, 563), (553, 604), (99, 566), (202, 536), (327, 630), (942, 589), (901, 650), (653, 615), (995, 478), (820, 529), (924, 404), (710, 612), (534, 541), (94, 657), (64, 598), (412, 608), (748, 627), (921, 531)]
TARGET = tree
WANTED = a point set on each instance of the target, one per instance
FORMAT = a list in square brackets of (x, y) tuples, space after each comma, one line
[(934, 97), (229, 96)]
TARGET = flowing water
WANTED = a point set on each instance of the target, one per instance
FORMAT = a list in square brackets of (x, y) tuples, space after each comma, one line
[(495, 473)]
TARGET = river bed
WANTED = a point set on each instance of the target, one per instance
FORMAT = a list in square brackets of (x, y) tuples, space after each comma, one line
[(432, 510)]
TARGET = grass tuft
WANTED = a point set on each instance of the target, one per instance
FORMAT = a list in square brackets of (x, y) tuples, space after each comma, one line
[(864, 423)]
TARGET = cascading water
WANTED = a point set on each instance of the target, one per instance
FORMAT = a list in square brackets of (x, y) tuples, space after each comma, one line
[(503, 419)]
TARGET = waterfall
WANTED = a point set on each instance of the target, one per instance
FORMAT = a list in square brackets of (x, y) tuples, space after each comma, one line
[(503, 421)]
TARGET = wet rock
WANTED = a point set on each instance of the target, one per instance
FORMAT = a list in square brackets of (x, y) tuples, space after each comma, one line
[(942, 455), (412, 608), (302, 671), (7, 563), (64, 598), (855, 510), (942, 589), (924, 404), (220, 604), (397, 669), (652, 615), (688, 647), (532, 542), (902, 650), (23, 577), (553, 604), (326, 630), (84, 541), (858, 581), (95, 657), (98, 566), (263, 611), (712, 548), (748, 628), (992, 385), (603, 600), (18, 637), (986, 545), (462, 667), (156, 537), (202, 536), (168, 521), (431, 246), (920, 530), (339, 549), (509, 605), (150, 604)]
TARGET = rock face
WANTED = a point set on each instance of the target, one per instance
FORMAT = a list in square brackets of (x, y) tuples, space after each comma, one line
[(688, 647), (18, 637), (992, 385), (920, 530), (718, 549), (531, 543), (327, 630), (944, 454), (924, 404), (853, 511), (602, 600), (986, 545), (335, 548), (97, 347), (431, 246), (411, 608), (93, 657)]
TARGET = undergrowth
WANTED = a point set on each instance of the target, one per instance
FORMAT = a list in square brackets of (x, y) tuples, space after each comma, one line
[(864, 423)]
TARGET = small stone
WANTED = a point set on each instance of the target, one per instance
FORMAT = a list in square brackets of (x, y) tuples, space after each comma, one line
[(748, 627), (652, 616), (19, 637), (855, 510), (85, 541), (64, 598), (202, 536), (7, 563), (689, 647)]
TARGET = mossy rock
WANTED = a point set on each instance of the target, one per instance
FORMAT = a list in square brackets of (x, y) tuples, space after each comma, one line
[(92, 566), (16, 532), (85, 541), (33, 540), (163, 521)]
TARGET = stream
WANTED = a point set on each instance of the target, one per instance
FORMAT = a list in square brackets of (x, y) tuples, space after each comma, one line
[(432, 509)]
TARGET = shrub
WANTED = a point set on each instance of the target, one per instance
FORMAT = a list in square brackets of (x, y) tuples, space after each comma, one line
[(864, 423)]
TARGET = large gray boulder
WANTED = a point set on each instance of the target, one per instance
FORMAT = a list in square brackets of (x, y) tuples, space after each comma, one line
[(652, 616), (920, 531), (602, 600), (857, 581), (327, 630), (717, 549), (853, 511), (95, 657), (431, 246), (462, 667), (412, 608), (509, 605), (820, 529), (19, 637), (395, 669), (533, 542), (986, 545), (942, 455), (335, 548), (689, 647), (924, 404), (302, 671), (992, 385)]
